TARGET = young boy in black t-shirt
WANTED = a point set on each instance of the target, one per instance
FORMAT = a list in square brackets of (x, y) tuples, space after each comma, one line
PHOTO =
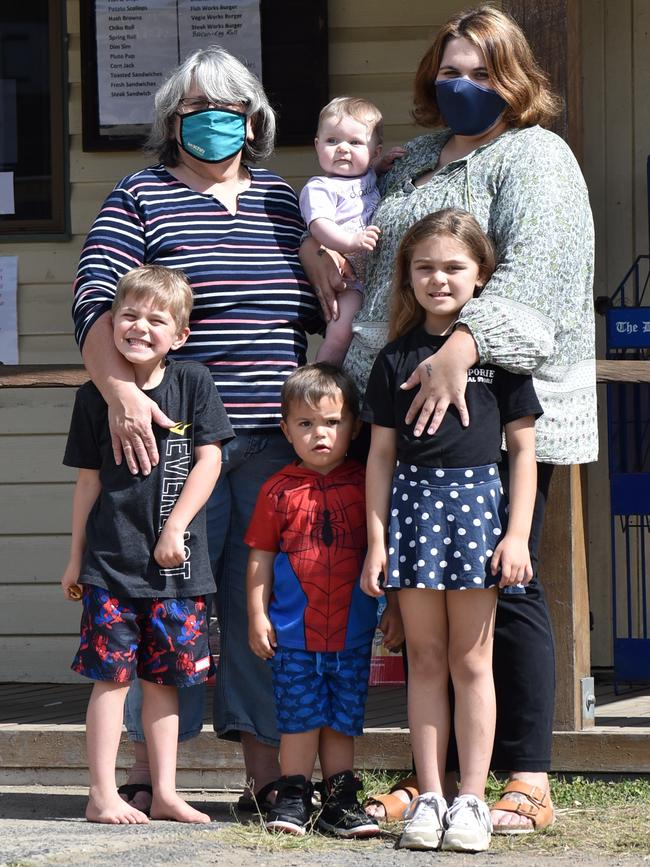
[(139, 558)]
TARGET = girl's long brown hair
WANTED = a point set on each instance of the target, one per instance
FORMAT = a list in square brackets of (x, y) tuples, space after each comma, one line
[(405, 312)]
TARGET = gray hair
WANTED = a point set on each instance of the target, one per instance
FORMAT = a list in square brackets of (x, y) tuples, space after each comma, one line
[(223, 79)]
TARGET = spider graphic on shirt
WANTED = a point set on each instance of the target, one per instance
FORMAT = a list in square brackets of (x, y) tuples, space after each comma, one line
[(324, 538)]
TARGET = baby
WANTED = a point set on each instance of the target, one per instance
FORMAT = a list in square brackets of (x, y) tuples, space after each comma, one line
[(338, 206)]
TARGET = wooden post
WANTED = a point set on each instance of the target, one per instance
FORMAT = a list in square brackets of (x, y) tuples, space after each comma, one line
[(563, 570), (553, 30)]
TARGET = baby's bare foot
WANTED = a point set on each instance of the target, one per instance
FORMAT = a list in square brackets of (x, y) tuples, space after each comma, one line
[(174, 808), (109, 809)]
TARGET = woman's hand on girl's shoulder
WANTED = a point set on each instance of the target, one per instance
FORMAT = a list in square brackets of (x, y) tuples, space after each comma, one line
[(442, 379), (373, 571), (512, 556)]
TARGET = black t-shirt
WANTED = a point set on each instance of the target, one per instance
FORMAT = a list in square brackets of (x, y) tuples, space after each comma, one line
[(494, 397), (125, 522)]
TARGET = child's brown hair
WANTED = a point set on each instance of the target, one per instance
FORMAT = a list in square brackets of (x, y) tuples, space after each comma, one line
[(311, 383), (405, 311)]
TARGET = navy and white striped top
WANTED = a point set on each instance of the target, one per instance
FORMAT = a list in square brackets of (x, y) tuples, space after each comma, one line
[(252, 301)]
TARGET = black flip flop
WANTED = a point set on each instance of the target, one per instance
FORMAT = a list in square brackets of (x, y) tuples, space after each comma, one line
[(131, 789)]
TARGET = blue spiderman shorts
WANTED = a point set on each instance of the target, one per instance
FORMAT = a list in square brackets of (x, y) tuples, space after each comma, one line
[(313, 690), (164, 641)]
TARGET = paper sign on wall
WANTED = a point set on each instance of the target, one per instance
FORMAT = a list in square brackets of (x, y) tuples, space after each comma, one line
[(8, 316), (139, 44)]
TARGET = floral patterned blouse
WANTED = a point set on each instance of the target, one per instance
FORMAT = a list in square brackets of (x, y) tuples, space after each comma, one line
[(536, 313)]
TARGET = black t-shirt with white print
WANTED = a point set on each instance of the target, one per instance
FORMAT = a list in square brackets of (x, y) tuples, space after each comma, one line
[(126, 520), (494, 397)]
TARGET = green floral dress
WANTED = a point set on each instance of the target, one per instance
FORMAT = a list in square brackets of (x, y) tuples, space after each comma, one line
[(536, 313)]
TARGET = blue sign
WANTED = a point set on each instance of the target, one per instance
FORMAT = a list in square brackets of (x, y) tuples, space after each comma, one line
[(628, 327)]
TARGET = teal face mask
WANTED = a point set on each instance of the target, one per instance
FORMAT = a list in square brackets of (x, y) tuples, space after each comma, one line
[(213, 135)]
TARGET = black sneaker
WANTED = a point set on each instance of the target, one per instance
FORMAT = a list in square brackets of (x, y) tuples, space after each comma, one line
[(342, 814), (292, 809)]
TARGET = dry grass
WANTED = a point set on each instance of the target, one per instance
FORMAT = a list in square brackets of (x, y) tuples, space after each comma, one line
[(593, 817)]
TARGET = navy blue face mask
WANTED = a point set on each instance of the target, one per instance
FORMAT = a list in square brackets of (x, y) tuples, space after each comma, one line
[(213, 135), (468, 108)]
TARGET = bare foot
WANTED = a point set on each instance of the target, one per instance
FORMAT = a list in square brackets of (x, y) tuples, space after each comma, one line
[(174, 808), (509, 822), (110, 809)]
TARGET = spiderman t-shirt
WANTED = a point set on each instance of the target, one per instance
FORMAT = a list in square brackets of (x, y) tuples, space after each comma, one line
[(317, 525)]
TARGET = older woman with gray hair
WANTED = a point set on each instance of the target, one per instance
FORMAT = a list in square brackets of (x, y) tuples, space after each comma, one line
[(235, 232)]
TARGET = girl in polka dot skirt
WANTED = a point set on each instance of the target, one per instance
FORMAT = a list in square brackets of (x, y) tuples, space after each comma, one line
[(436, 522)]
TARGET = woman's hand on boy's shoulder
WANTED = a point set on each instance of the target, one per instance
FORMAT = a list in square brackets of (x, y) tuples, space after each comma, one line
[(512, 556)]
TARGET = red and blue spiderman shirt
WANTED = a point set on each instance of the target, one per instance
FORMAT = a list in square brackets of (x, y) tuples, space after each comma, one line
[(317, 525)]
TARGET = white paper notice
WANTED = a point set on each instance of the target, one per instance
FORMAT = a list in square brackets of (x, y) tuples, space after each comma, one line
[(137, 45), (234, 25), (8, 317), (140, 41), (7, 193)]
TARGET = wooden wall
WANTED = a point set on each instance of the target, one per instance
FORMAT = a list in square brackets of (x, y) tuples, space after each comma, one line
[(374, 49), (616, 120)]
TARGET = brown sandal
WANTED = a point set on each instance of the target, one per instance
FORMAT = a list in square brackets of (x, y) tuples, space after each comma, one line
[(537, 807), (394, 807)]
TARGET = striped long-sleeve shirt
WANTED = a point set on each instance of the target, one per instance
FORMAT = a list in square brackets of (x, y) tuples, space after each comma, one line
[(252, 301)]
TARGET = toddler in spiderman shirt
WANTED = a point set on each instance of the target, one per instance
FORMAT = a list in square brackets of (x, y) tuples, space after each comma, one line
[(307, 613)]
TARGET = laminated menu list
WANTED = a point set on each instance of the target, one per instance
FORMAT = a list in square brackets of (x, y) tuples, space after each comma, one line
[(139, 43)]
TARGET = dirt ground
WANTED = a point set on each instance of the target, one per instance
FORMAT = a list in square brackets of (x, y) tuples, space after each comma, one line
[(44, 826)]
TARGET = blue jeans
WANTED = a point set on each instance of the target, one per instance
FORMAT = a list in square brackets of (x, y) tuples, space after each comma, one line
[(243, 698)]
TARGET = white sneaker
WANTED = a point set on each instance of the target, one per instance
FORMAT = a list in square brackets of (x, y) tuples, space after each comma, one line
[(423, 827), (468, 826)]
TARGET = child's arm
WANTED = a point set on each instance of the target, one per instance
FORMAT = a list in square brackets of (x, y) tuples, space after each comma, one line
[(170, 549), (334, 237), (259, 581), (511, 554), (379, 476), (86, 491), (391, 625)]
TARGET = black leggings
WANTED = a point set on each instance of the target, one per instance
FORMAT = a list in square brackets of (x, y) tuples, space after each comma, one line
[(523, 663)]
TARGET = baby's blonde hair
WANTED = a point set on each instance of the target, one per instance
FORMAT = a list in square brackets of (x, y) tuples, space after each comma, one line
[(363, 110), (166, 287)]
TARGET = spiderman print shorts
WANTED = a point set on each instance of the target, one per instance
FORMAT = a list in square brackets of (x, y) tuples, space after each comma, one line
[(313, 690), (164, 641)]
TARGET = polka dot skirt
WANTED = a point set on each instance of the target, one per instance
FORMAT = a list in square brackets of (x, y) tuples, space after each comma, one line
[(444, 526)]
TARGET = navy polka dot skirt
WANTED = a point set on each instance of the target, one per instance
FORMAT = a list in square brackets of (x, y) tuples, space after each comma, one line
[(444, 526)]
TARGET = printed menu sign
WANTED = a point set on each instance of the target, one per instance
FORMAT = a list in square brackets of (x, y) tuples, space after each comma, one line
[(139, 43)]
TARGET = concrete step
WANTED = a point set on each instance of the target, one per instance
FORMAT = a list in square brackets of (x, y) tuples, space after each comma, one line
[(56, 754)]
